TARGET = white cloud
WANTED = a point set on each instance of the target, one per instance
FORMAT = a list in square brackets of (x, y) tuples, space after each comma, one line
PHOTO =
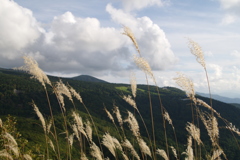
[(230, 4), (152, 40), (228, 19), (18, 29), (129, 5)]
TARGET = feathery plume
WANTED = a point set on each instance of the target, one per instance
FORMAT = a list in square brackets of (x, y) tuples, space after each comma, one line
[(194, 132), (211, 124), (75, 94), (204, 104), (49, 125), (133, 83), (186, 84), (111, 143), (40, 116), (79, 123), (143, 65), (189, 150), (88, 130), (1, 123), (174, 151), (125, 156), (70, 139), (4, 153), (197, 51), (233, 128), (27, 157), (95, 151), (62, 89), (133, 124), (51, 144), (143, 146), (129, 146), (83, 156), (128, 32), (130, 101), (118, 115), (217, 154), (109, 115), (75, 131), (11, 143), (162, 153), (31, 67), (167, 117)]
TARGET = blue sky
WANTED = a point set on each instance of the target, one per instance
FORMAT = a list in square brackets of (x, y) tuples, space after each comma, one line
[(75, 37)]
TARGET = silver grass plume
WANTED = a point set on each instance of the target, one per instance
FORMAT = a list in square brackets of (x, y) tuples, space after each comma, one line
[(118, 115), (167, 117), (61, 89), (51, 144), (1, 123), (133, 83), (79, 123), (216, 154), (88, 130), (204, 104), (129, 146), (31, 67), (109, 115), (162, 153), (189, 150), (111, 143), (40, 116), (128, 32), (197, 51), (133, 124), (11, 144), (4, 153), (75, 94), (75, 131), (95, 152), (174, 152), (83, 156), (186, 84), (143, 65), (233, 128), (49, 125), (143, 146), (27, 157), (125, 156), (194, 132), (70, 139), (130, 101), (211, 124)]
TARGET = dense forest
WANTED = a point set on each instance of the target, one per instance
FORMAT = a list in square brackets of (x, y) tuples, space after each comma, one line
[(18, 90)]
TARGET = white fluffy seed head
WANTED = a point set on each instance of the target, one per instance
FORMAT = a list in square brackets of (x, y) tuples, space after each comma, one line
[(162, 153), (196, 50), (31, 67), (130, 101), (143, 65), (133, 124), (128, 32), (194, 132), (133, 83)]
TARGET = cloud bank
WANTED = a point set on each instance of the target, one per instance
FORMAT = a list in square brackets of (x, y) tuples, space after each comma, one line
[(77, 45)]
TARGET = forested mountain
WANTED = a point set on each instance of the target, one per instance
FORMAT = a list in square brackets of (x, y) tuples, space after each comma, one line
[(18, 91)]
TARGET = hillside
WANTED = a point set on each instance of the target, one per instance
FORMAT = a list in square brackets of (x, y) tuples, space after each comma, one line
[(17, 90), (88, 78)]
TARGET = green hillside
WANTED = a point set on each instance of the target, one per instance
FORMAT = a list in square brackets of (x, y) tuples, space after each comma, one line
[(18, 90)]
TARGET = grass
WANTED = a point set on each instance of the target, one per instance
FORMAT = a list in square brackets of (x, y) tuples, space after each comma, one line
[(96, 142)]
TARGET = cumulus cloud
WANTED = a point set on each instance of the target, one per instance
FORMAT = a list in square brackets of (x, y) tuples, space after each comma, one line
[(151, 38), (230, 4), (129, 5), (18, 30), (232, 7), (228, 19)]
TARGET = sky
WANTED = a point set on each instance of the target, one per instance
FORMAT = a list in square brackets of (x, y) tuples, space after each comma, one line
[(75, 37)]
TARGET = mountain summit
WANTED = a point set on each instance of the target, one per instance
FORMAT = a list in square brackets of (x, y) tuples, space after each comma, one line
[(88, 78)]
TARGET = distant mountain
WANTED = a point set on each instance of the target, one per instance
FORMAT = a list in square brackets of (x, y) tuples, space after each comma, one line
[(88, 78), (221, 98)]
